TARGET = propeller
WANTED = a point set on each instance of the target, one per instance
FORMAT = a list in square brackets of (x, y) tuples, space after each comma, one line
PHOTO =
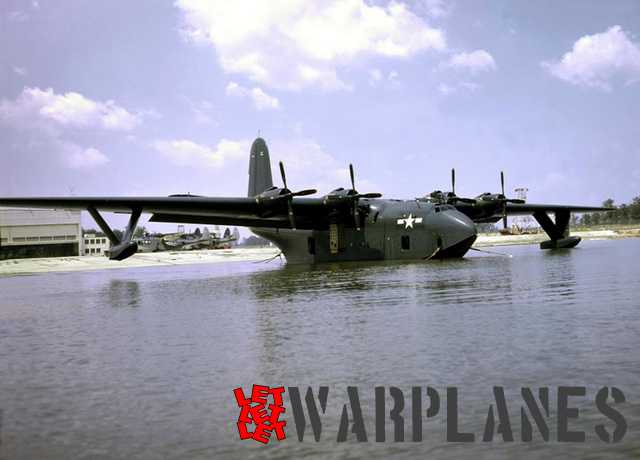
[(504, 206), (451, 197), (353, 187), (453, 181), (506, 200), (288, 195), (355, 196)]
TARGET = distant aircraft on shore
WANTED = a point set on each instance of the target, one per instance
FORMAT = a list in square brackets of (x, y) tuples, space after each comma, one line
[(184, 241)]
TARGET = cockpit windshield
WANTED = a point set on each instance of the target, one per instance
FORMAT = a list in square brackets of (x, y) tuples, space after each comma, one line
[(443, 207)]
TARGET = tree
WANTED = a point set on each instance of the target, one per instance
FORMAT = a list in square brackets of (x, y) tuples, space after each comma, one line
[(610, 216), (140, 232), (622, 215), (634, 209)]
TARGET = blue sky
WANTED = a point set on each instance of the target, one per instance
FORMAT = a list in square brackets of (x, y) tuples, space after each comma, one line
[(153, 98)]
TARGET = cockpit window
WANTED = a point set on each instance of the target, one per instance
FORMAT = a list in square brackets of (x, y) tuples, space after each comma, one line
[(443, 207)]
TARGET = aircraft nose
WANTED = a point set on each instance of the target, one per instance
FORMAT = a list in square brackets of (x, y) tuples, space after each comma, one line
[(458, 234)]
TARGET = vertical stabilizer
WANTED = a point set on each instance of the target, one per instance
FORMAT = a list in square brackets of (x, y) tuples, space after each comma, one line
[(259, 168)]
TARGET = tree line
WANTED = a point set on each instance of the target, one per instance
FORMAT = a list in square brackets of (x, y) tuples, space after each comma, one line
[(622, 214)]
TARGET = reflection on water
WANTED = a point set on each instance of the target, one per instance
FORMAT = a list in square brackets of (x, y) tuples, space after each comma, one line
[(123, 293), (140, 363)]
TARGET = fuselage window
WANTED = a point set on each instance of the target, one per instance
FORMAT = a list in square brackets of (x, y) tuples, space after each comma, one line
[(405, 242)]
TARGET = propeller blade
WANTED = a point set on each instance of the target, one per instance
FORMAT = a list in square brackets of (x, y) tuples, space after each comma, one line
[(369, 195), (353, 186), (504, 204), (505, 225), (356, 214), (292, 219), (305, 192), (284, 177), (453, 181)]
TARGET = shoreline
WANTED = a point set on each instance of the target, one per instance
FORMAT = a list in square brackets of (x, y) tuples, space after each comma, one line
[(12, 267), (496, 239)]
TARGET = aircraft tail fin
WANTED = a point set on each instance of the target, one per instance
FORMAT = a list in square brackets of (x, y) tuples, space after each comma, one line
[(259, 168)]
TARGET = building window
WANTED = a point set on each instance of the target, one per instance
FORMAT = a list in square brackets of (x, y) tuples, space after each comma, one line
[(71, 237), (58, 237), (2, 240), (18, 238), (104, 241), (405, 242), (86, 251), (93, 250), (45, 238), (98, 251), (93, 241), (33, 238), (86, 241)]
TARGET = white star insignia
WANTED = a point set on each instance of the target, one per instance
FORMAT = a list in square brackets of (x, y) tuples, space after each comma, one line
[(409, 221)]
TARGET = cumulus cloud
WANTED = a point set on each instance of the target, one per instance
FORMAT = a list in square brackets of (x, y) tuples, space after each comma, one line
[(474, 62), (53, 120), (466, 86), (184, 152), (595, 60), (291, 45), (70, 109), (435, 8), (376, 77), (80, 158), (302, 157), (261, 100)]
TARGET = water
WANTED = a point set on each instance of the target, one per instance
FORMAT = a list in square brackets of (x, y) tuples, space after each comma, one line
[(141, 363)]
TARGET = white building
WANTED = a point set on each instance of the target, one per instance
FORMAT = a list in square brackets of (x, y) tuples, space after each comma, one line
[(94, 245), (39, 233)]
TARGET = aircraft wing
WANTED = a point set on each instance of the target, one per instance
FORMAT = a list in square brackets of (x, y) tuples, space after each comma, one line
[(310, 213), (493, 210), (526, 208)]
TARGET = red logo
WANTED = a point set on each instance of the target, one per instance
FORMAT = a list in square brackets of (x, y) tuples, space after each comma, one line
[(259, 412)]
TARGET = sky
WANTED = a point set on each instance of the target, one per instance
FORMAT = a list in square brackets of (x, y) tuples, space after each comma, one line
[(151, 98)]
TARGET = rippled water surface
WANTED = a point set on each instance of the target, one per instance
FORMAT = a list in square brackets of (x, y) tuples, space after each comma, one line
[(141, 363)]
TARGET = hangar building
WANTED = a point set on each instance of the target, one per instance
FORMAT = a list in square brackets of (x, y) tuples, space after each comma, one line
[(39, 233)]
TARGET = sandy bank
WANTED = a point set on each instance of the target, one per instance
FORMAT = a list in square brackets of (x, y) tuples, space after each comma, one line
[(53, 264), (151, 259), (495, 239)]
